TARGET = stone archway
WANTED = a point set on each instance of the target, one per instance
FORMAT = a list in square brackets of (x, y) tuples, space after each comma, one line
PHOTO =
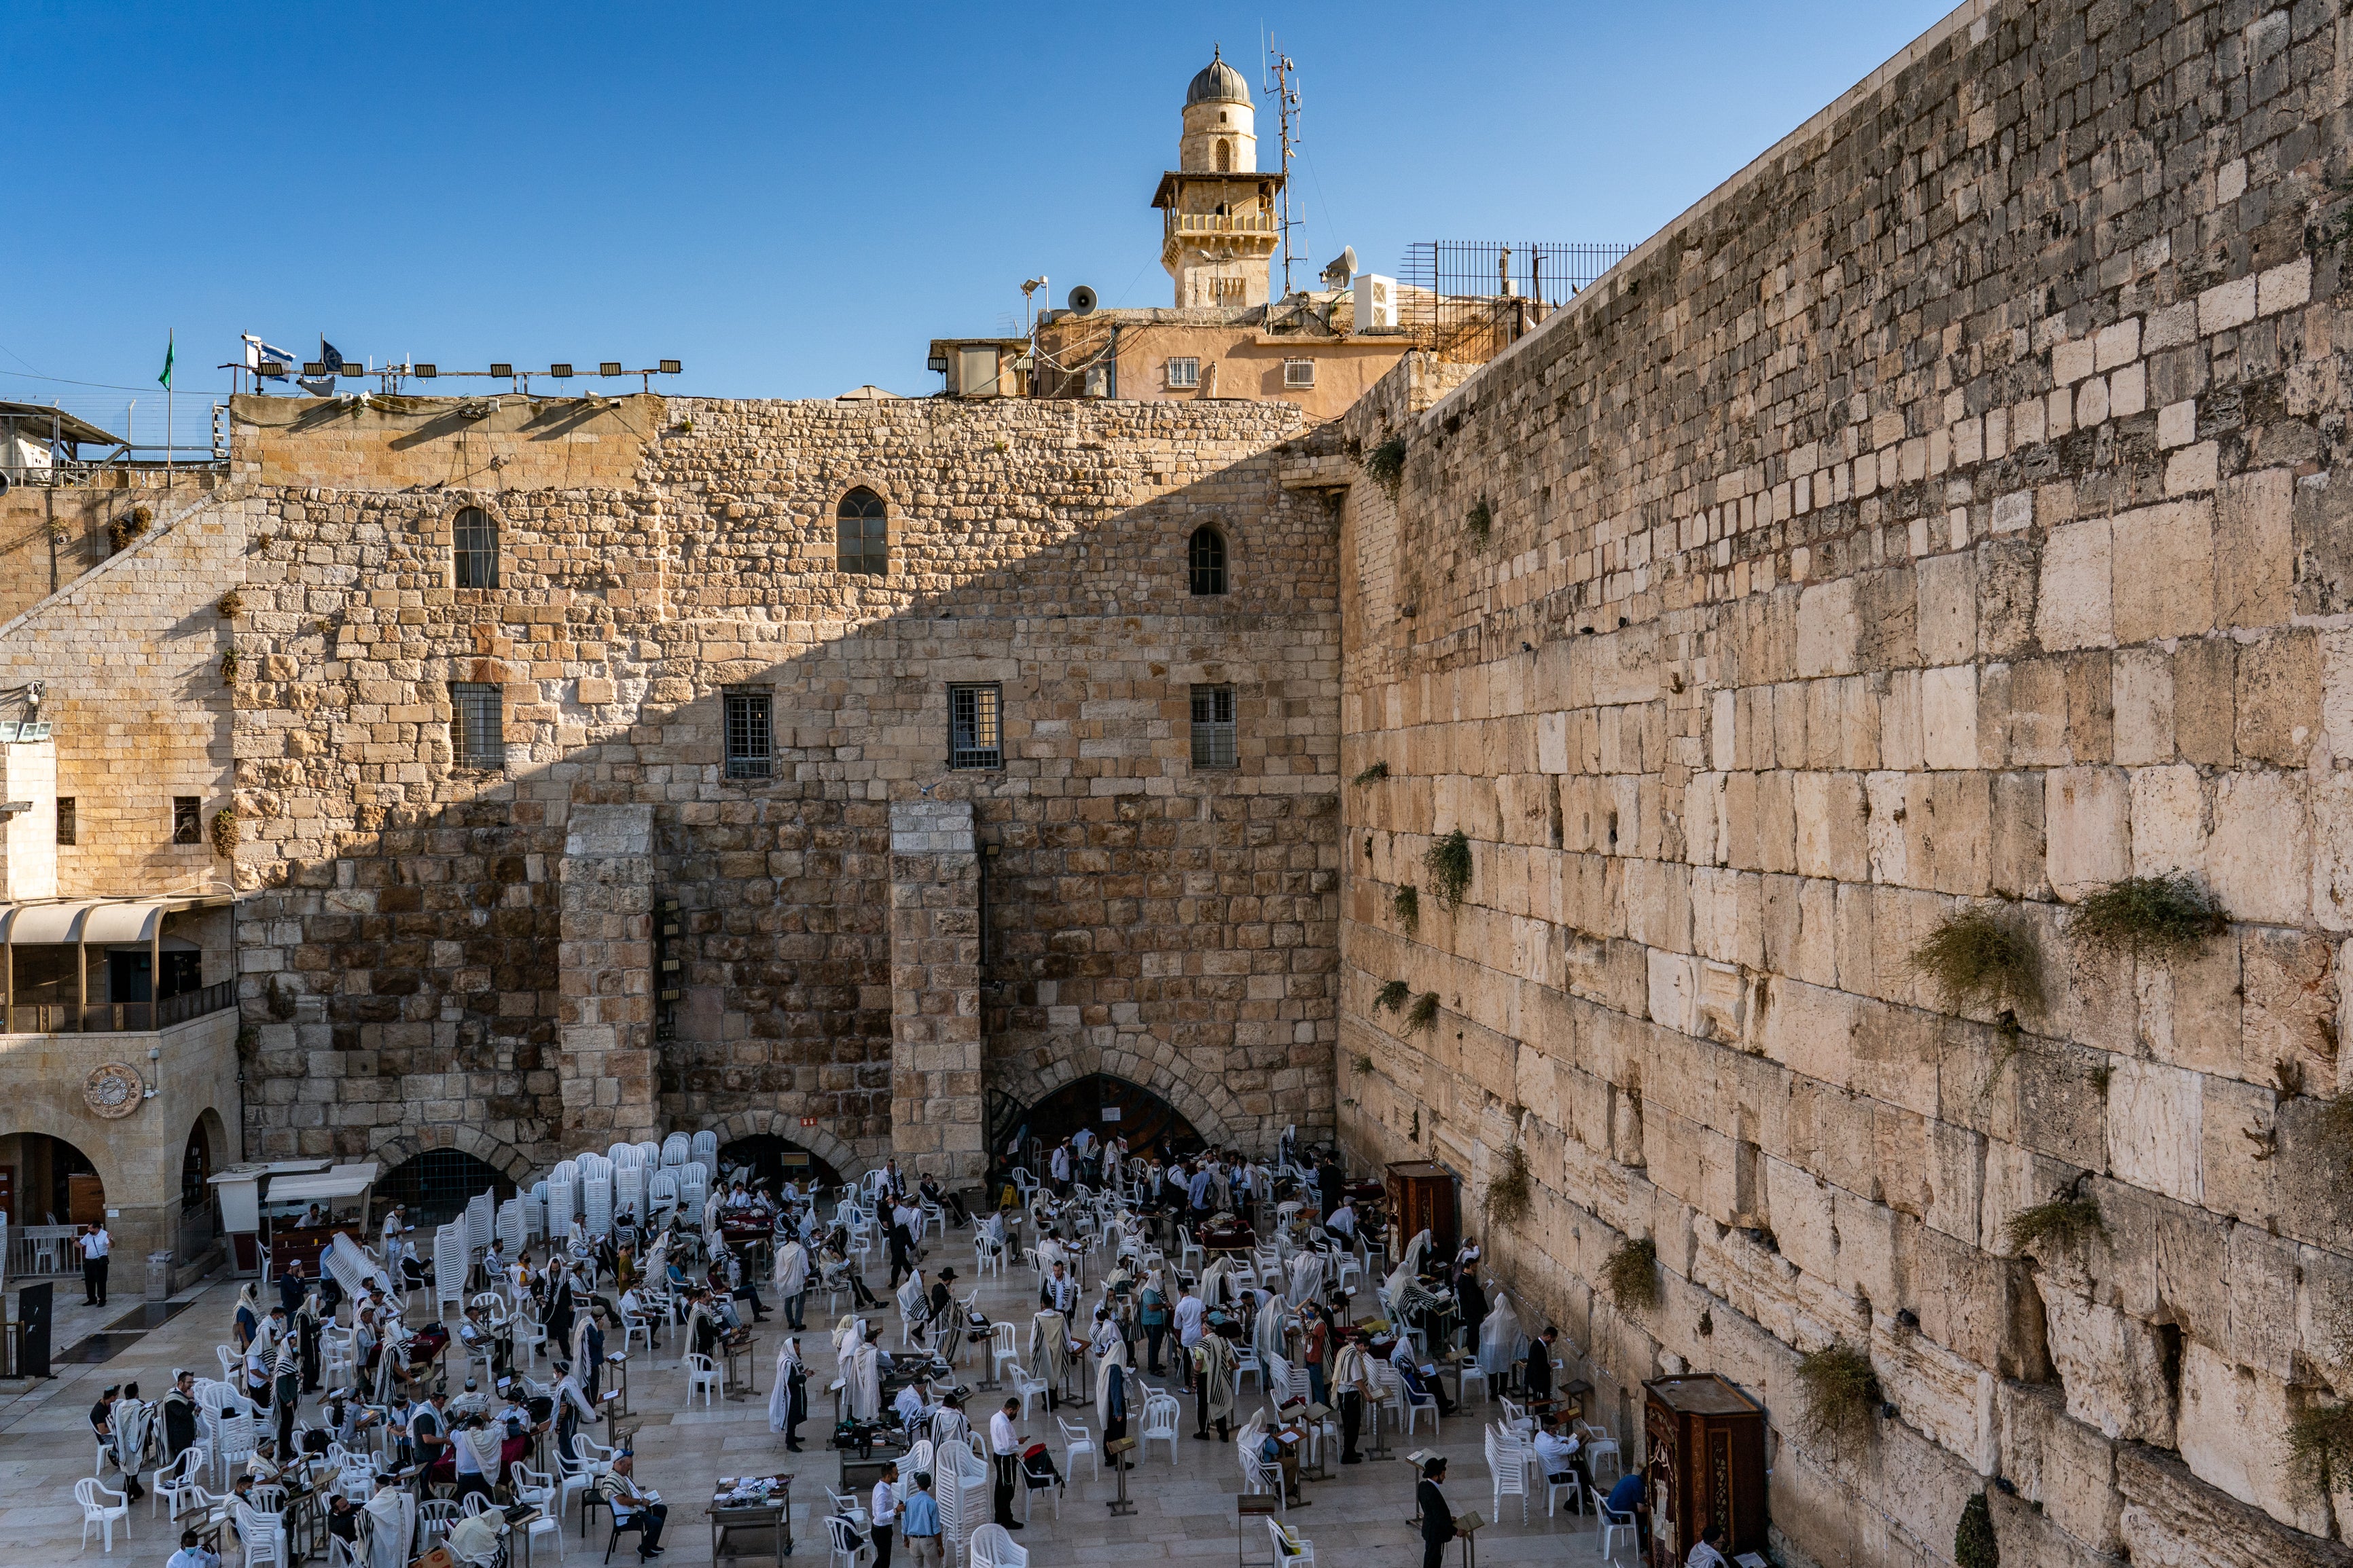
[(845, 1161), (399, 1148), (1198, 1094)]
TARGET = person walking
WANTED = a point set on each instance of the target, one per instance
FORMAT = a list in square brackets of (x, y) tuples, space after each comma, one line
[(96, 1245)]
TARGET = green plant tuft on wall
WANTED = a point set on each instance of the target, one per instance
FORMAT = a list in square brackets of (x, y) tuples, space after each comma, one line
[(1424, 1014), (228, 830), (1448, 861), (1407, 905), (231, 605), (1386, 463), (1974, 1546), (229, 665), (2062, 1222), (128, 527), (1511, 1195), (2164, 918), (1977, 956), (1631, 1273), (1479, 521), (1362, 1062), (1392, 997), (1373, 774), (1841, 1393)]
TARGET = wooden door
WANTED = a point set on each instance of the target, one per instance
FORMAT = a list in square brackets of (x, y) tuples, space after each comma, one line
[(8, 1192), (85, 1199)]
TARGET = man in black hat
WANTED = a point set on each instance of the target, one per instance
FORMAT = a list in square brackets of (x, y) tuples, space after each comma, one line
[(1437, 1519), (942, 1316)]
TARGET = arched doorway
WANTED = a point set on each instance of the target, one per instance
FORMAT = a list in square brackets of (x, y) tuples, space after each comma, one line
[(48, 1181), (764, 1156), (436, 1185), (196, 1167), (1111, 1105)]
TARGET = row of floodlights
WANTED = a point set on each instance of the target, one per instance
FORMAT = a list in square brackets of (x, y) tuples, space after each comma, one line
[(562, 371), (29, 729)]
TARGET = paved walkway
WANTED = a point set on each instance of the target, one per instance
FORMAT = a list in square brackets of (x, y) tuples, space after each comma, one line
[(1185, 1511)]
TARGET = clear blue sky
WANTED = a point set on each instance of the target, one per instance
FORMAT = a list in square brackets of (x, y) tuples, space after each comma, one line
[(793, 200)]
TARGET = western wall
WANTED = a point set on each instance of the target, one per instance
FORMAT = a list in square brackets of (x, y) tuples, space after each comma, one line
[(1943, 515)]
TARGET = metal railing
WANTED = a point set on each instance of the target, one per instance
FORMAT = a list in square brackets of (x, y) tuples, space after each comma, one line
[(192, 1236), (1470, 299), (119, 1017), (42, 1249), (1215, 223)]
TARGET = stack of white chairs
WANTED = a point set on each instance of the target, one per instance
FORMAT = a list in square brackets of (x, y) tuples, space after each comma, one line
[(705, 1149), (347, 1262), (625, 1155), (599, 1204), (513, 1227), (451, 1261), (694, 1187), (960, 1480), (560, 1202), (661, 1192), (482, 1213), (534, 1211), (677, 1149), (629, 1188)]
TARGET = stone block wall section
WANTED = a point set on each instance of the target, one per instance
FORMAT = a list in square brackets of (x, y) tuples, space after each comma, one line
[(1950, 512), (935, 941), (436, 948)]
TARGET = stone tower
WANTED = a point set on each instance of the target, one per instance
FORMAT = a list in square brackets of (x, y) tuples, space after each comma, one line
[(1220, 232)]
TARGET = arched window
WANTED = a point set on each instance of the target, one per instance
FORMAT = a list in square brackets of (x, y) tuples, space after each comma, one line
[(1205, 556), (474, 549), (1225, 156), (863, 536)]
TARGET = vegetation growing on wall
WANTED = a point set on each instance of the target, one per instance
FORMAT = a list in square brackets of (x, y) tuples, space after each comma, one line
[(2164, 918), (1386, 463), (1373, 774), (1511, 1193), (1424, 1014), (1448, 861), (1479, 521), (1841, 1393), (1977, 956), (128, 527), (1974, 1546), (1631, 1275), (231, 605), (2062, 1222), (2320, 1446), (228, 829), (1407, 905), (1392, 996)]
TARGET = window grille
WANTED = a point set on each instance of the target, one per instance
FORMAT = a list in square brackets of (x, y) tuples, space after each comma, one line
[(64, 819), (863, 534), (1299, 373), (975, 727), (187, 819), (1185, 371), (474, 543), (751, 735), (477, 725), (1213, 726), (1206, 561)]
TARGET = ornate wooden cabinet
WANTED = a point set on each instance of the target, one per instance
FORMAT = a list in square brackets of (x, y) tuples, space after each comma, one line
[(1421, 1197), (1706, 1443)]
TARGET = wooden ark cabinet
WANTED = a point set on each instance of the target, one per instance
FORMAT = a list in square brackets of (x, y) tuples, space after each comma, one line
[(1421, 1197), (1705, 1444)]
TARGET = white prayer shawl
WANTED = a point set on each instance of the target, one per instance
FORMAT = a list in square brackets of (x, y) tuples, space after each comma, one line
[(710, 1215), (780, 1398), (1116, 1356), (865, 1383), (1213, 1279), (1408, 1269), (848, 1335), (792, 1270), (134, 1420), (1306, 1278), (1499, 1341), (911, 1297), (394, 1513), (486, 1442), (1050, 1348), (1268, 1336)]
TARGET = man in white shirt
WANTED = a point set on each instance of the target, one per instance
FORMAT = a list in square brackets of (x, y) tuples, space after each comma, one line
[(1004, 1450), (1708, 1552), (1343, 1223), (192, 1554), (882, 1513), (1189, 1314), (96, 1243), (908, 1406), (1557, 1451)]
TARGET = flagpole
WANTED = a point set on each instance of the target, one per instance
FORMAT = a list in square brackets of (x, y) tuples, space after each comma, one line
[(167, 414)]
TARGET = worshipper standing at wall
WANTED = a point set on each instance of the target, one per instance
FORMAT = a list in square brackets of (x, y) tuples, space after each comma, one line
[(1536, 1377), (1153, 1312), (97, 1245), (1499, 1341), (180, 1414), (1111, 1399), (792, 1271), (1213, 1382), (788, 1401), (1004, 1452)]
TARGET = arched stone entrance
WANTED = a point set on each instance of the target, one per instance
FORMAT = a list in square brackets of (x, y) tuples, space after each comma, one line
[(1106, 1105), (846, 1162), (1195, 1092)]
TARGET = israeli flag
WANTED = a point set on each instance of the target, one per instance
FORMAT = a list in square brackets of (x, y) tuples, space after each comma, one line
[(258, 353)]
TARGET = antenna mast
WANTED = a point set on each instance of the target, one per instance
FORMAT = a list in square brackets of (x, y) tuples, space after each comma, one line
[(1286, 103)]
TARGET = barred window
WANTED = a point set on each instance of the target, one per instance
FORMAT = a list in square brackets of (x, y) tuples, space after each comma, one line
[(1206, 561), (187, 819), (474, 543), (1299, 373), (1213, 726), (975, 726), (863, 534), (64, 819), (477, 723), (1186, 372), (751, 734)]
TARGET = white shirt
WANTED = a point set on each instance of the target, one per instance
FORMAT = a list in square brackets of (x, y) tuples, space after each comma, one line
[(885, 1507), (1344, 1220), (97, 1242), (1189, 1313), (1556, 1451), (1002, 1438), (1702, 1555)]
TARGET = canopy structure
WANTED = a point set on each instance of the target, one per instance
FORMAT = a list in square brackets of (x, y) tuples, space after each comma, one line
[(84, 923), (339, 1185)]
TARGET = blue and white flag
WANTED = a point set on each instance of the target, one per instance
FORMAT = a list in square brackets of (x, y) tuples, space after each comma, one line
[(258, 353)]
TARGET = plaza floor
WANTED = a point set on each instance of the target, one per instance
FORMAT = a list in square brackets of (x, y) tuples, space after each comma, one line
[(1185, 1511)]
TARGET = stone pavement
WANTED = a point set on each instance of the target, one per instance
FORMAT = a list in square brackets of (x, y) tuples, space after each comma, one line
[(1185, 1512)]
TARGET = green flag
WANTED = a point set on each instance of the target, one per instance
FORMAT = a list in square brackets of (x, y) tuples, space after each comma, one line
[(166, 377)]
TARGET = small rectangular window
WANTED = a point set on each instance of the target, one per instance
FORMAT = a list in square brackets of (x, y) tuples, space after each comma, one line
[(975, 727), (474, 541), (477, 725), (1213, 726), (1299, 373), (976, 372), (1185, 371), (187, 819), (64, 819), (751, 732)]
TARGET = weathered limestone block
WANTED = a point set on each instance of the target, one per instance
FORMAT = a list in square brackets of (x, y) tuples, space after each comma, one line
[(2111, 1366), (2234, 1429)]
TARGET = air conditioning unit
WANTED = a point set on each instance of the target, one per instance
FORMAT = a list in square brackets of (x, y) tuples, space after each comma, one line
[(1376, 302)]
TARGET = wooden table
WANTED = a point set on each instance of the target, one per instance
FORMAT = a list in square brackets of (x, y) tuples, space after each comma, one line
[(757, 1530), (739, 1355)]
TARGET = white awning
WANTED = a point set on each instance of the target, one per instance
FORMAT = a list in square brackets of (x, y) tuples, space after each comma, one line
[(328, 1186), (121, 922), (97, 922)]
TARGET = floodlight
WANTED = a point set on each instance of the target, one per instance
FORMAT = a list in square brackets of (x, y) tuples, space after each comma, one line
[(425, 372), (502, 370), (670, 367), (608, 367)]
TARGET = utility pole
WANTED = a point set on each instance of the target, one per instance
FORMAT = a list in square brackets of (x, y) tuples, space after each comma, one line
[(1286, 104)]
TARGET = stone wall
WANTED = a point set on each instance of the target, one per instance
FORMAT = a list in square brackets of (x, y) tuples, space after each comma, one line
[(428, 945), (1948, 513)]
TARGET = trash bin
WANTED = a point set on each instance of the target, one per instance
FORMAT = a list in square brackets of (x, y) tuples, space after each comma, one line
[(159, 1275)]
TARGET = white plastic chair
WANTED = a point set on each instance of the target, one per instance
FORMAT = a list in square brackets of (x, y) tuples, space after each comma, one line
[(1600, 1445), (102, 1507), (1290, 1549), (1611, 1523), (1027, 1388), (1415, 1404), (700, 1375), (434, 1518), (1258, 1477), (1077, 1440), (850, 1548), (1160, 1421), (1555, 1489), (260, 1531), (993, 1547), (176, 1482), (1509, 1467), (1004, 1348)]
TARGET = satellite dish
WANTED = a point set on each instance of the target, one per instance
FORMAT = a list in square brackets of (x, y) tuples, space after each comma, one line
[(1083, 300)]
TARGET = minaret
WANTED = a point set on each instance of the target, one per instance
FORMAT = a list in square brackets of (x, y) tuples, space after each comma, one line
[(1221, 231)]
